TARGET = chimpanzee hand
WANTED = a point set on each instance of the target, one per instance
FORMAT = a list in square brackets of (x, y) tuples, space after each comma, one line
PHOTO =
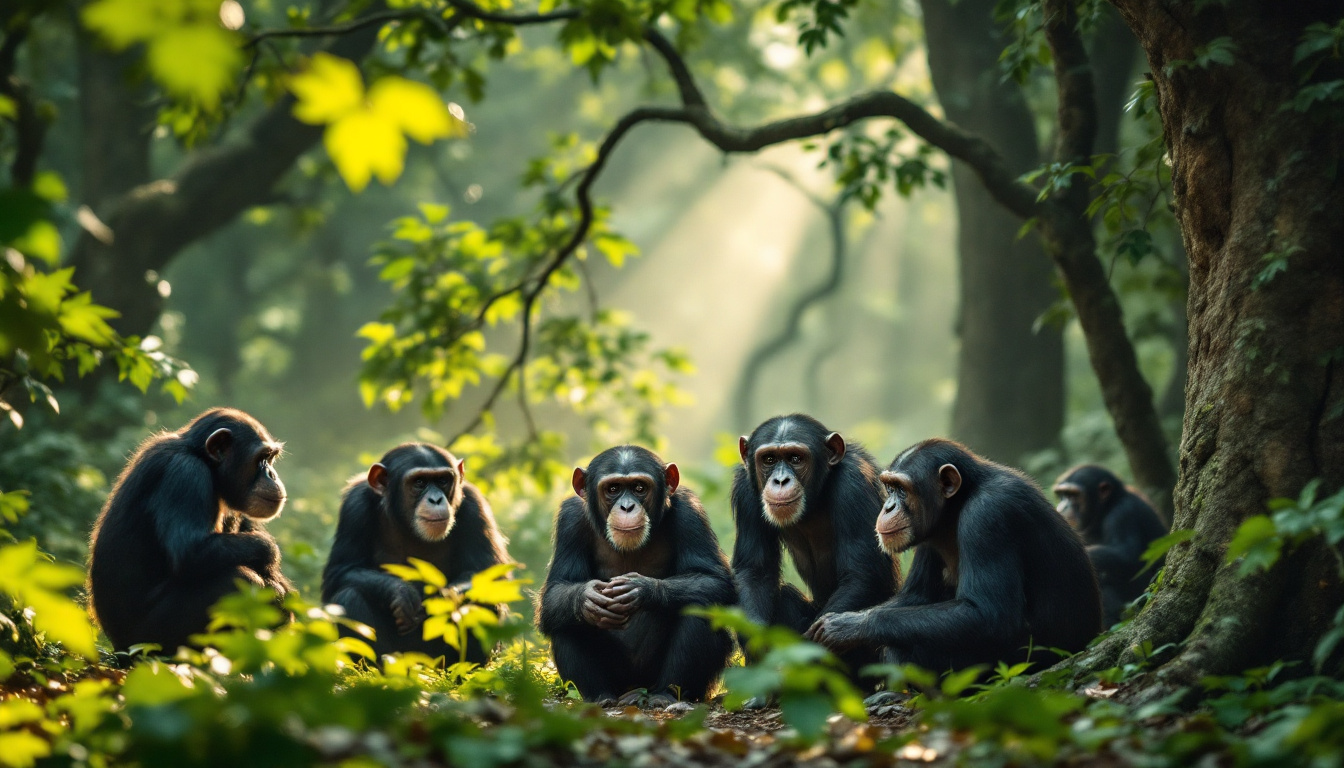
[(407, 608), (630, 592), (837, 631), (596, 609)]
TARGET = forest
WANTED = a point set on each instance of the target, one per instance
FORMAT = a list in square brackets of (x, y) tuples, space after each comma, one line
[(496, 383)]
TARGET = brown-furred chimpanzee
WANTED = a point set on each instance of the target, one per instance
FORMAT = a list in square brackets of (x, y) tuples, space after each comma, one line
[(631, 551), (1117, 524), (179, 530), (415, 502), (801, 487), (996, 570)]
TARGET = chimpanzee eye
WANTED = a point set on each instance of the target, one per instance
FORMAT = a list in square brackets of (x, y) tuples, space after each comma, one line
[(418, 484), (795, 459), (639, 488), (612, 490), (900, 493), (768, 460)]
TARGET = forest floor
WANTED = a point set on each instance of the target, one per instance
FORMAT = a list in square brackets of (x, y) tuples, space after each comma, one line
[(752, 738)]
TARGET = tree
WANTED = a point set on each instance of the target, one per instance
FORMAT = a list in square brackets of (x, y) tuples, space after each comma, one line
[(1248, 96)]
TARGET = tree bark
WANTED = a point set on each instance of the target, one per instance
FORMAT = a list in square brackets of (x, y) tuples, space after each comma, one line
[(1010, 378), (1265, 402)]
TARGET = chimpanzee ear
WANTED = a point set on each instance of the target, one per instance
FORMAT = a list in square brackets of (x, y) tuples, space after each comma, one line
[(461, 468), (837, 445), (217, 444), (580, 481), (378, 479), (1104, 489), (673, 478), (742, 449), (949, 480)]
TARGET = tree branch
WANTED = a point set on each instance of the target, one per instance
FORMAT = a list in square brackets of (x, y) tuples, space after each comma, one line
[(336, 30), (474, 11)]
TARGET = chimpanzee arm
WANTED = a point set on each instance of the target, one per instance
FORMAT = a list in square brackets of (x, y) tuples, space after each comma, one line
[(477, 543), (701, 575), (924, 584), (756, 553), (184, 509), (351, 562), (865, 574), (989, 609), (571, 568)]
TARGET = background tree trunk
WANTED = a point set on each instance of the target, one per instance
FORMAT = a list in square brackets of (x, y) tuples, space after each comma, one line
[(1265, 403), (1010, 379)]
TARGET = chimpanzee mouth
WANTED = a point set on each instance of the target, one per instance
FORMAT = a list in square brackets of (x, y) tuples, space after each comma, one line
[(895, 530), (433, 520), (635, 529), (788, 503)]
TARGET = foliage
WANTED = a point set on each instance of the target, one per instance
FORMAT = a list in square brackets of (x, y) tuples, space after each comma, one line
[(808, 681), (366, 132)]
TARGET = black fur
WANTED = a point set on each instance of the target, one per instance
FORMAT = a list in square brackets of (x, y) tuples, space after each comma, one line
[(1118, 524), (377, 529), (831, 543), (680, 564), (172, 538), (1020, 574)]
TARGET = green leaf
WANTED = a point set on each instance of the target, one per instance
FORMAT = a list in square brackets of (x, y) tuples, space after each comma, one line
[(155, 684), (197, 62), (21, 749), (806, 712), (1159, 548), (1258, 542)]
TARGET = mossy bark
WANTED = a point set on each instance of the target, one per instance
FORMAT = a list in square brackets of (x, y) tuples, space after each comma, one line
[(1254, 181)]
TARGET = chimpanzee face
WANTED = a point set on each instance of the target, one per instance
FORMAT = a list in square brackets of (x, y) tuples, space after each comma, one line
[(626, 488), (421, 485), (915, 502), (789, 458), (244, 458), (1084, 494)]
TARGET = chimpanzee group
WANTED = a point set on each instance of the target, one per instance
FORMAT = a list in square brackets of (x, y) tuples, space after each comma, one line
[(997, 573)]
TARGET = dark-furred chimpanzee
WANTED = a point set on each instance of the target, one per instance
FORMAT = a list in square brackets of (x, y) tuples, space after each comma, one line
[(178, 530), (415, 502), (802, 487), (631, 551), (996, 569), (1117, 524)]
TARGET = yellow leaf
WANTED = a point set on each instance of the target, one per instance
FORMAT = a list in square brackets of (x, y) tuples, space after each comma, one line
[(355, 647), (22, 749), (415, 108), (492, 586), (473, 616), (403, 572), (198, 61), (428, 573), (327, 90), (363, 144)]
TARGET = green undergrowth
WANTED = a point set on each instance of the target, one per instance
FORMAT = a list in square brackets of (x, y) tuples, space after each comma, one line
[(296, 684)]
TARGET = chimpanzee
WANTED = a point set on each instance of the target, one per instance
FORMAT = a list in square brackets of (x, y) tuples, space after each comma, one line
[(415, 502), (801, 486), (631, 551), (1117, 524), (178, 530), (996, 570)]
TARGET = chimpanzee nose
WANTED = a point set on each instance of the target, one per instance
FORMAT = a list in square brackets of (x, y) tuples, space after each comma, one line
[(436, 498), (781, 481), (627, 506)]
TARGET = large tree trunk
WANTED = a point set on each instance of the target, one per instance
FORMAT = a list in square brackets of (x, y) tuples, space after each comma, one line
[(1010, 379), (1265, 403)]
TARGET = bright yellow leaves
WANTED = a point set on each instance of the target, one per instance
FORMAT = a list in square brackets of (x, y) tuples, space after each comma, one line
[(366, 131), (188, 52), (32, 582)]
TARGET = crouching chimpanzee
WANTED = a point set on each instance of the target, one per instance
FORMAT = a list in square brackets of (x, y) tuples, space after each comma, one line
[(802, 487), (996, 570), (1117, 524), (631, 551), (178, 531), (414, 502)]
